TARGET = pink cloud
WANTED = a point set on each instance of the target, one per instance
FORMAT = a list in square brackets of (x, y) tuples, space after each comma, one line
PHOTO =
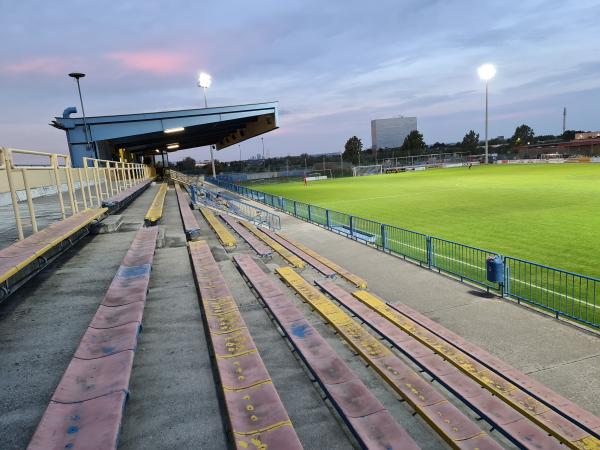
[(155, 62), (44, 66)]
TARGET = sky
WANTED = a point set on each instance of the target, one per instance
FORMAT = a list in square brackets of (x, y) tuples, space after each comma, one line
[(333, 66)]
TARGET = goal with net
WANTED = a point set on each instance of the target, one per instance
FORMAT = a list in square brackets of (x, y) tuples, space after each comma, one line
[(360, 171)]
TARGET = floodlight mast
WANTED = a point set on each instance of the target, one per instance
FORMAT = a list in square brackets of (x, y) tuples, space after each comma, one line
[(486, 72), (77, 76), (204, 81)]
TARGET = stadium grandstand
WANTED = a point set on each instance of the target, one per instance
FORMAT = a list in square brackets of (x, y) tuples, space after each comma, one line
[(162, 310), (142, 307)]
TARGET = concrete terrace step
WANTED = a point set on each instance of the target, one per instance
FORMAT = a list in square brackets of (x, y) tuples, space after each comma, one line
[(370, 422)]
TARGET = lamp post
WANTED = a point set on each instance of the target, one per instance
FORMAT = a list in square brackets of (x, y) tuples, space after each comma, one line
[(204, 81), (486, 73), (77, 76), (262, 139)]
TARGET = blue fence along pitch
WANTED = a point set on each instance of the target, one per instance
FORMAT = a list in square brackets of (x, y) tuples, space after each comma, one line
[(563, 293)]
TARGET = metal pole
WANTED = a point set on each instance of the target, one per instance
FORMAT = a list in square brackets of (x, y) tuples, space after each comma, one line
[(85, 126), (212, 161), (341, 165), (212, 156), (263, 146), (486, 122)]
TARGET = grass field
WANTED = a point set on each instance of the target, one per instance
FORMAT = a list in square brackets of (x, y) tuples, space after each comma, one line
[(549, 214)]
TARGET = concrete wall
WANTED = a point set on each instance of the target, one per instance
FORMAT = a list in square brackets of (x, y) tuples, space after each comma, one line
[(390, 133)]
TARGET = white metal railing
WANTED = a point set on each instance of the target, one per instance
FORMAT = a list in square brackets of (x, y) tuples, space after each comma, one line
[(86, 187), (110, 178)]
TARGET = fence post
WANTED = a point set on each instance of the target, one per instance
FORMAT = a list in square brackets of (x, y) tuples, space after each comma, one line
[(504, 289), (383, 236), (351, 227), (295, 214), (309, 217), (327, 221), (429, 251)]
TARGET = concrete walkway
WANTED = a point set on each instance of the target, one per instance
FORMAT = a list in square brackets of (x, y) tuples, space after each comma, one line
[(559, 355)]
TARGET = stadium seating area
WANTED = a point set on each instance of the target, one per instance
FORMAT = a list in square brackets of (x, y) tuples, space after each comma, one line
[(463, 396)]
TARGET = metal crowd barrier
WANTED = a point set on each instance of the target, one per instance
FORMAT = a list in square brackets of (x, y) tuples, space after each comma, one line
[(52, 176), (562, 293)]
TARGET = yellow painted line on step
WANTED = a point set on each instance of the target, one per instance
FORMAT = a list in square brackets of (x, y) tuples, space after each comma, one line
[(225, 237), (377, 355), (155, 211), (285, 253), (534, 410), (92, 214), (355, 280)]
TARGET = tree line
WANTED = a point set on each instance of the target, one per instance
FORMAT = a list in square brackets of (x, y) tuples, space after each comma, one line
[(471, 143)]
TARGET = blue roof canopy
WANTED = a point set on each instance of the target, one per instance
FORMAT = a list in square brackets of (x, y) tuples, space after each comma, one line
[(144, 133)]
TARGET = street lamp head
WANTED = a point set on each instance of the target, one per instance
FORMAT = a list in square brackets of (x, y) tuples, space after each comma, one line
[(486, 71), (77, 75), (204, 80)]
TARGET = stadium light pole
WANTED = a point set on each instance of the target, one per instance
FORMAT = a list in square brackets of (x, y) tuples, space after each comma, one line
[(486, 73), (77, 76), (204, 81)]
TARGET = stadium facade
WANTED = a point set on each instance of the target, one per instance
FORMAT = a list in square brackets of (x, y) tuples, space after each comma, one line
[(390, 133)]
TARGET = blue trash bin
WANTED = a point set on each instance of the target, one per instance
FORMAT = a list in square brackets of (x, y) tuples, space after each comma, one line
[(495, 269)]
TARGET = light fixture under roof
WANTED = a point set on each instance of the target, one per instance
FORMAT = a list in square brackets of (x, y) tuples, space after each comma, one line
[(174, 130), (157, 150), (173, 146)]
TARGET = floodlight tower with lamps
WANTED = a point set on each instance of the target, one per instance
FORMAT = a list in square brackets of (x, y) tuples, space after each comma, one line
[(486, 73), (77, 76), (204, 81)]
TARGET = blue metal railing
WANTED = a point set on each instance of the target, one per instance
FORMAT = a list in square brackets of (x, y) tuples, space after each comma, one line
[(231, 204), (563, 293)]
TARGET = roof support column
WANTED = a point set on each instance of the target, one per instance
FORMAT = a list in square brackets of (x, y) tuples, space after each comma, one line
[(212, 161)]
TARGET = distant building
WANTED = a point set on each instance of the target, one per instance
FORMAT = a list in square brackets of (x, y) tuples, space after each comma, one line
[(588, 135), (390, 133)]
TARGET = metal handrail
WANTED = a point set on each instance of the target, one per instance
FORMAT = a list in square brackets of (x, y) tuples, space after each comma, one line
[(109, 177)]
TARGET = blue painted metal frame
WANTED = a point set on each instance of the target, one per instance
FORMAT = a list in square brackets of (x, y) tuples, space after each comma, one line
[(563, 293)]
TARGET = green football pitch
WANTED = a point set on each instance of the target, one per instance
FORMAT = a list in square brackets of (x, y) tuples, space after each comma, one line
[(548, 214)]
